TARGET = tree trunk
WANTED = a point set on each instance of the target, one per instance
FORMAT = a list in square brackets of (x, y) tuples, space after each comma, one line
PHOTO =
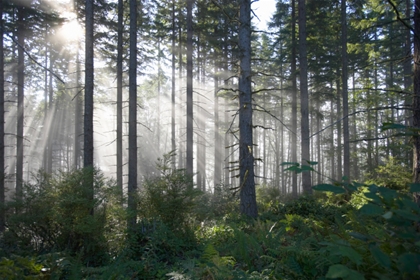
[(346, 131), (407, 78), (294, 100), (88, 115), (332, 140), (89, 76), (181, 162), (2, 154), (20, 101), (120, 95), (248, 205), (189, 161), (339, 133), (173, 144), (416, 97), (304, 97), (53, 128), (132, 120), (217, 140), (77, 116)]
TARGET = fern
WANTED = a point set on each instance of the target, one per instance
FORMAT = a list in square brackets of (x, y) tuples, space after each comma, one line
[(209, 253)]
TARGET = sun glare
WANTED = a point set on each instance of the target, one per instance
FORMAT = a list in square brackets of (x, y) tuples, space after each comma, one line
[(71, 30)]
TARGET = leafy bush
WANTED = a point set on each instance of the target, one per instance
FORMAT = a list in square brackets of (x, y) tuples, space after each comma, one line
[(382, 240), (170, 197), (394, 175), (55, 214)]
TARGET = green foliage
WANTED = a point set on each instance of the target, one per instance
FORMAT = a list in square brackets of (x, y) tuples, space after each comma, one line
[(266, 195), (344, 231), (16, 268), (394, 174), (170, 197), (55, 215), (379, 242)]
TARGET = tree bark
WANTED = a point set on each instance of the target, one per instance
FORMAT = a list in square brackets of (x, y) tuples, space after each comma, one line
[(248, 204), (416, 96), (294, 100), (217, 139), (89, 76), (346, 131), (304, 97), (173, 144), (132, 120), (408, 81), (2, 154), (119, 141), (20, 102), (189, 160)]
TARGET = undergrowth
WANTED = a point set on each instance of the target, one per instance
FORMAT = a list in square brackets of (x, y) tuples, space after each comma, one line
[(344, 231)]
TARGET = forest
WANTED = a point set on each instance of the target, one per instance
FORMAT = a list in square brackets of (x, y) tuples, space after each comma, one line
[(210, 139)]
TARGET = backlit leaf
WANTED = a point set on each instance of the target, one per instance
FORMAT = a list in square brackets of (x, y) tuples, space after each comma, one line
[(328, 188), (338, 271)]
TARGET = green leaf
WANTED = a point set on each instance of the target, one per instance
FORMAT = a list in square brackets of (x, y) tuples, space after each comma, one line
[(407, 215), (380, 256), (338, 271), (328, 188), (350, 253), (386, 126), (354, 275), (371, 209), (414, 187), (387, 194), (358, 185), (409, 263), (373, 196), (387, 215), (307, 168), (312, 162), (293, 168), (359, 236)]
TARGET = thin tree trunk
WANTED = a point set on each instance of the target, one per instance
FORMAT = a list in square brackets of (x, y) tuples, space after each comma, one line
[(2, 145), (89, 76), (132, 120), (46, 127), (346, 131), (294, 99), (20, 101), (318, 139), (158, 99), (408, 81), (78, 108), (416, 97), (217, 140), (173, 144), (189, 161), (248, 204), (304, 97), (339, 134), (119, 141), (88, 112), (355, 164), (332, 141), (181, 161), (53, 129)]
